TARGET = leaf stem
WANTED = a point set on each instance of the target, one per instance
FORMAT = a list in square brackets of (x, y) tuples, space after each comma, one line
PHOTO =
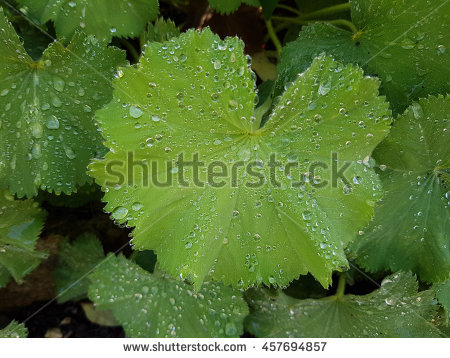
[(289, 8), (274, 37), (131, 49), (327, 11), (345, 23), (341, 285), (301, 21), (293, 20)]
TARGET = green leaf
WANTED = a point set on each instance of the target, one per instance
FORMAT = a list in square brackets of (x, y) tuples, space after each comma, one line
[(410, 229), (443, 295), (14, 330), (100, 317), (85, 194), (155, 305), (404, 42), (47, 134), (21, 222), (195, 95), (162, 30), (146, 259), (95, 17), (35, 39), (229, 6), (76, 260), (4, 276), (396, 309)]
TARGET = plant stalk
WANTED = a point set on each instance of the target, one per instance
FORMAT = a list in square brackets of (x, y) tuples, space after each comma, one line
[(327, 11), (300, 21), (289, 8), (130, 47), (274, 37), (341, 286)]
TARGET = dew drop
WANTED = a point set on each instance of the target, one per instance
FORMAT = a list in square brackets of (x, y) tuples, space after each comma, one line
[(70, 153), (119, 213), (36, 130), (135, 112), (306, 215), (56, 102), (58, 84), (324, 88), (347, 189), (230, 329)]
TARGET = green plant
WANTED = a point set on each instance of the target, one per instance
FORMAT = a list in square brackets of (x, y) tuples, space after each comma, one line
[(235, 189)]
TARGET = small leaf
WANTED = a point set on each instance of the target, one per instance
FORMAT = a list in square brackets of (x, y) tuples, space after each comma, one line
[(21, 222), (47, 132), (100, 317), (404, 42), (194, 96), (229, 6), (162, 30), (14, 330), (127, 18), (410, 227), (155, 305), (396, 310), (76, 260)]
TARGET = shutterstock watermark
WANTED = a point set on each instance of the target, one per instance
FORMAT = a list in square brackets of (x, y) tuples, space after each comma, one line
[(192, 171)]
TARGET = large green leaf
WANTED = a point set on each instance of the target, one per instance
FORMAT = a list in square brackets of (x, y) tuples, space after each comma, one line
[(410, 230), (21, 222), (195, 95), (47, 134), (124, 18), (14, 330), (229, 6), (155, 305), (404, 42), (394, 310), (76, 260)]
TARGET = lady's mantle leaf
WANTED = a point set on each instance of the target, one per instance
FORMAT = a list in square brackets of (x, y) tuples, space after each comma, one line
[(14, 330), (229, 6), (394, 310), (404, 42), (21, 222), (47, 135), (75, 261), (155, 305), (410, 229), (194, 95), (101, 18)]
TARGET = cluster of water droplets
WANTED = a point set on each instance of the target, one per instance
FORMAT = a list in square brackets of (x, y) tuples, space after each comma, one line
[(158, 305)]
